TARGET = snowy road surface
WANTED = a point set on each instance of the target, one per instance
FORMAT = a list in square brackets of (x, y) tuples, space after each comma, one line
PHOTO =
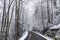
[(33, 36)]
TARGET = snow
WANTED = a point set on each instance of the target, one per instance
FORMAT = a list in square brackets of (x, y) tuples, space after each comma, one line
[(24, 35), (55, 27), (47, 38)]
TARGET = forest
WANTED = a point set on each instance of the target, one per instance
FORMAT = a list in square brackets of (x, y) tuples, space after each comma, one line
[(25, 19)]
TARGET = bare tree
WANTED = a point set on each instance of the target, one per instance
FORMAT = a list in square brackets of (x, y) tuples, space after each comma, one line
[(48, 11), (42, 18), (3, 19), (42, 14), (51, 12), (17, 18), (7, 19)]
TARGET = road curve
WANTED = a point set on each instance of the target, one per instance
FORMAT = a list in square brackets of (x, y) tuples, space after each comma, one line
[(33, 36)]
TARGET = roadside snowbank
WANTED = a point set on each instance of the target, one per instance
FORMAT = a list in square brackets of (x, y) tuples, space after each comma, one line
[(55, 27), (24, 35)]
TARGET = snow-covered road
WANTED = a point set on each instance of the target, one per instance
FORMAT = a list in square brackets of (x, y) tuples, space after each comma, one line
[(25, 35), (47, 38)]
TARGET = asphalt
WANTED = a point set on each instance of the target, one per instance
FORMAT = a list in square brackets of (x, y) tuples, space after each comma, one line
[(33, 36)]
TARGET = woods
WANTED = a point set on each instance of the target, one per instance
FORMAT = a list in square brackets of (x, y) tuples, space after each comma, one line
[(18, 16)]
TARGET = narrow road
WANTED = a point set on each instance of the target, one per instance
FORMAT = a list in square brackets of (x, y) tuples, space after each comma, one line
[(33, 36)]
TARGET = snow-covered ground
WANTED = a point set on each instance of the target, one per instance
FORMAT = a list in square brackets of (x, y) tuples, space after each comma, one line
[(24, 35), (56, 27)]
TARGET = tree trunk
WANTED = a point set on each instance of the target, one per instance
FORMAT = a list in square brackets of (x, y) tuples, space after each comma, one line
[(48, 11), (3, 19), (51, 12), (17, 19)]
